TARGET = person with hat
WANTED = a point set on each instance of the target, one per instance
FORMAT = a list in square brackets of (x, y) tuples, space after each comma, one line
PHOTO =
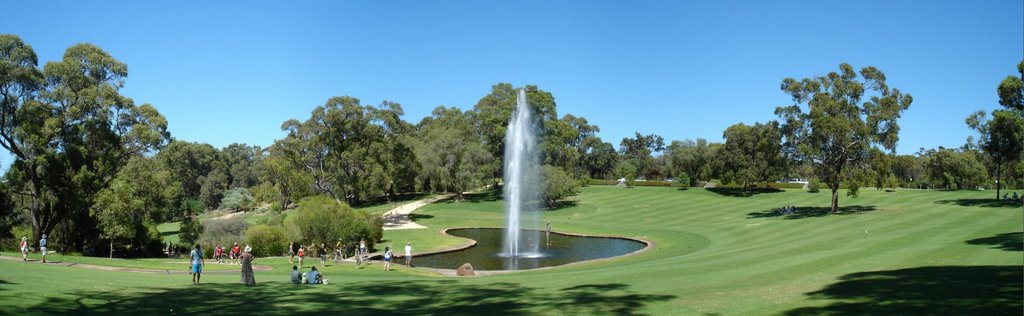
[(42, 247)]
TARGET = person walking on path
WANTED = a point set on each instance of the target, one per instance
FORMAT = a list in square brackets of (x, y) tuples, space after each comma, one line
[(408, 254), (218, 254), (301, 253), (197, 261), (24, 248), (248, 278), (42, 247), (387, 258), (323, 255), (291, 251)]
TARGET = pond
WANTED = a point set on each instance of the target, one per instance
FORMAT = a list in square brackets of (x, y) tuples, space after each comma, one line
[(562, 249)]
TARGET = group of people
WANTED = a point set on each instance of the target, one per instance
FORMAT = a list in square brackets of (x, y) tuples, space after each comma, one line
[(786, 210), (323, 252), (25, 248), (1015, 197), (245, 258), (234, 255)]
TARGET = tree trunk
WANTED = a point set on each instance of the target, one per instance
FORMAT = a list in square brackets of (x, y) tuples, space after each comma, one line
[(111, 248), (998, 185), (835, 199)]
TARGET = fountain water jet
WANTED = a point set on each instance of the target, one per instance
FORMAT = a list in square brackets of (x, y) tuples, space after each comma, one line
[(522, 185)]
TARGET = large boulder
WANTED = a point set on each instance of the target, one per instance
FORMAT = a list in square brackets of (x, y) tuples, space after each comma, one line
[(465, 270)]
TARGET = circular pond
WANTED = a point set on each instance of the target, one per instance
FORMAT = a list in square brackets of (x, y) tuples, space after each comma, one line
[(562, 249)]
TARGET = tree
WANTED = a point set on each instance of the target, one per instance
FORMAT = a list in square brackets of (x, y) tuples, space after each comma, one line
[(492, 113), (267, 240), (1002, 137), (242, 161), (69, 130), (557, 185), (882, 169), (640, 149), (190, 164), (693, 158), (600, 158), (290, 183), (237, 199), (138, 196), (837, 131), (451, 155), (949, 168), (752, 153), (212, 187)]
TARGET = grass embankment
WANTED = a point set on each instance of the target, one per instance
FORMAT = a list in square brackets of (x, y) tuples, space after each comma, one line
[(904, 252)]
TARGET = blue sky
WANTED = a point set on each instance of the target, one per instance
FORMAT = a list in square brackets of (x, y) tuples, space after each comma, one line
[(225, 72)]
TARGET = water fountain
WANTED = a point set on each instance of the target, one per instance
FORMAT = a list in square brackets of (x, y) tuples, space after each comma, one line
[(522, 184)]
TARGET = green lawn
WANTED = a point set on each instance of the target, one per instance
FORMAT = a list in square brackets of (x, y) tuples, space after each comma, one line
[(904, 252)]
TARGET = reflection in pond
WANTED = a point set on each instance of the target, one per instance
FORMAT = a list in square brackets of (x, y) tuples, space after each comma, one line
[(562, 249)]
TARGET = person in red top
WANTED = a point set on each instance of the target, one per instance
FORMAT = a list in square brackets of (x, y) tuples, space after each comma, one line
[(302, 253), (24, 248), (218, 253), (235, 252)]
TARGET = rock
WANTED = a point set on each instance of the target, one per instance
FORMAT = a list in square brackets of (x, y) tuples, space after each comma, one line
[(465, 270)]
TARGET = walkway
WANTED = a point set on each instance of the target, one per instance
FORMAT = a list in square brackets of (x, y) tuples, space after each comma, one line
[(398, 218), (123, 269)]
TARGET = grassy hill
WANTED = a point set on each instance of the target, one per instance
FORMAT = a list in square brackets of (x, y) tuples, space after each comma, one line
[(903, 252)]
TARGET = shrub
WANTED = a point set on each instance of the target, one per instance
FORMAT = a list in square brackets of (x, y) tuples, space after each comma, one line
[(24, 230), (266, 240), (557, 184), (237, 199), (321, 219), (683, 180), (224, 232), (602, 182), (814, 186)]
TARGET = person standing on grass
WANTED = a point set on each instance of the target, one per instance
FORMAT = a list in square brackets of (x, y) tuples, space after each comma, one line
[(323, 255), (248, 278), (301, 253), (42, 247), (362, 247), (291, 251), (387, 258), (337, 250), (197, 261), (218, 253), (408, 254), (235, 252), (24, 248)]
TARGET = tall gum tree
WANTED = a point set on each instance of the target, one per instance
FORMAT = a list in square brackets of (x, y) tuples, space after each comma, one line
[(837, 118)]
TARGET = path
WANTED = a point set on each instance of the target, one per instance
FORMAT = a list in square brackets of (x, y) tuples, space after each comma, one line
[(123, 269), (398, 218)]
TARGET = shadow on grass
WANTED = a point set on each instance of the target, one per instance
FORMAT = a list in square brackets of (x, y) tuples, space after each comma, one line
[(740, 192), (943, 290), (398, 198), (560, 205), (478, 197), (981, 202), (1005, 241), (417, 216), (806, 212), (452, 297)]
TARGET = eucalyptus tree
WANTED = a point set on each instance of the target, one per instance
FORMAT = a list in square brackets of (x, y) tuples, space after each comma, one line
[(640, 149), (752, 153), (492, 113), (451, 154), (838, 128), (352, 151), (1002, 136), (136, 199), (191, 165), (69, 130), (600, 158), (692, 157)]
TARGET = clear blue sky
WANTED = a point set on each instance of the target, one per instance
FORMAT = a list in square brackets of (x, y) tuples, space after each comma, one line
[(225, 72)]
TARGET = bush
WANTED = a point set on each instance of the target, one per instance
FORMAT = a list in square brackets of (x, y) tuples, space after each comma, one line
[(635, 183), (321, 219), (266, 241), (237, 199), (24, 230), (224, 232), (557, 184), (602, 182), (683, 180), (814, 186)]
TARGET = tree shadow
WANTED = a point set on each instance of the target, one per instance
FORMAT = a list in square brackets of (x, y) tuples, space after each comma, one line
[(741, 192), (453, 297), (479, 197), (808, 211), (398, 198), (1004, 241), (942, 290), (417, 216), (5, 282), (981, 202), (560, 205)]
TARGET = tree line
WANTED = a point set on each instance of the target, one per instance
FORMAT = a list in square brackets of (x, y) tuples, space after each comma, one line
[(91, 167)]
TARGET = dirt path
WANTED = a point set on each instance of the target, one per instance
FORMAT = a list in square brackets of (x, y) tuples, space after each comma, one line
[(122, 269), (398, 218)]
